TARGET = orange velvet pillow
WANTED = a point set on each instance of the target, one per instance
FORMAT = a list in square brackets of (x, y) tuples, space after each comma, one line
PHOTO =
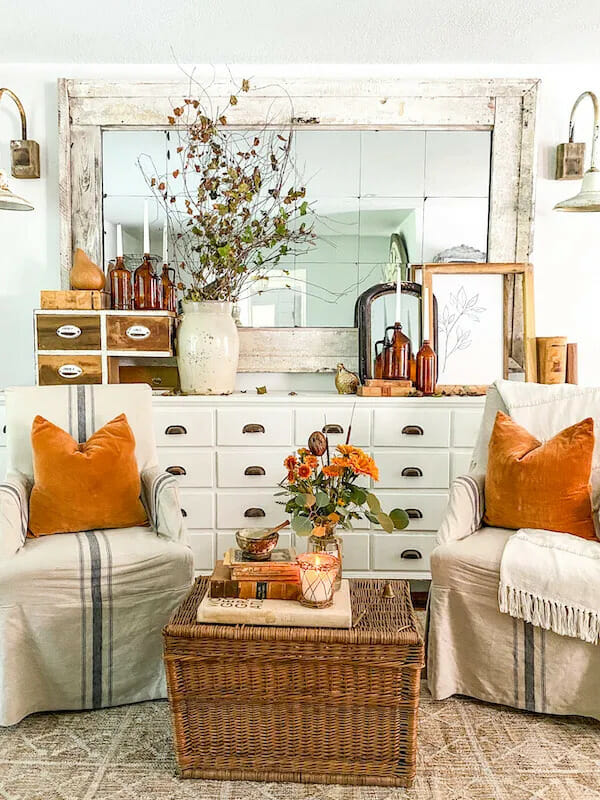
[(532, 484), (81, 487)]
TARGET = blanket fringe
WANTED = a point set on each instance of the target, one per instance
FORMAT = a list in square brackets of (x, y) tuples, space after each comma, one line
[(580, 623)]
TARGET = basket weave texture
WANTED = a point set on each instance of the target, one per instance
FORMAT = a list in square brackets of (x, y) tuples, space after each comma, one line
[(312, 705)]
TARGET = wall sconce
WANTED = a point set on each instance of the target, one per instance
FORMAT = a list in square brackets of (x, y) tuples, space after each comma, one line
[(569, 165), (25, 162)]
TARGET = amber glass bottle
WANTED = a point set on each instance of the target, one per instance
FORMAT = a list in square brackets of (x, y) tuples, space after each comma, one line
[(169, 293), (121, 295), (147, 287), (426, 368), (401, 354)]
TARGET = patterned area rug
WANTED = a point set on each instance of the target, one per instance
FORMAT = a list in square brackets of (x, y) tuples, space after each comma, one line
[(467, 750)]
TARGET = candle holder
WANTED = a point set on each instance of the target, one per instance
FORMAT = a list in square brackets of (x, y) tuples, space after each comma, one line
[(318, 572)]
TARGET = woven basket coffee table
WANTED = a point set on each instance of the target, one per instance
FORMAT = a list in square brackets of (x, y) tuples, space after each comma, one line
[(315, 705)]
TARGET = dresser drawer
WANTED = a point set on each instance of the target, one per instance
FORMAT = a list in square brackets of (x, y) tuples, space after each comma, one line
[(180, 426), (425, 510), (403, 552), (461, 463), (198, 508), (334, 422), (139, 332), (412, 469), (254, 426), (67, 332), (192, 466), (465, 427), (250, 467), (411, 427), (69, 369), (355, 550), (203, 548), (237, 510)]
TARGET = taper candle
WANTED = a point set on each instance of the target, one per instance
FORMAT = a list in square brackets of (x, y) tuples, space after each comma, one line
[(146, 229), (425, 331), (398, 296), (165, 244), (119, 241)]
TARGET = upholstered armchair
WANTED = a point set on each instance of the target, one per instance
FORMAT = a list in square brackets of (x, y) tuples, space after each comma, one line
[(81, 613), (473, 648)]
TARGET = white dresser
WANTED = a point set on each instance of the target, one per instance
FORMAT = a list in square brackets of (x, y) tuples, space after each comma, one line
[(228, 453)]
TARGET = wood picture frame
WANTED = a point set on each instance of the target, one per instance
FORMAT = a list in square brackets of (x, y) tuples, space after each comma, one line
[(506, 107), (518, 314)]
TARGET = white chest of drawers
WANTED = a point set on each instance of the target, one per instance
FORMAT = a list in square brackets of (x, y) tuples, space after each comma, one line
[(228, 454)]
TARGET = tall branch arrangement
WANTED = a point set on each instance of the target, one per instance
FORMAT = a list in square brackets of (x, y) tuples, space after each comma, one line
[(232, 199)]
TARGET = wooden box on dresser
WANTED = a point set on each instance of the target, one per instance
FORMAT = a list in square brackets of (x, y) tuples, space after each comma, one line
[(228, 453)]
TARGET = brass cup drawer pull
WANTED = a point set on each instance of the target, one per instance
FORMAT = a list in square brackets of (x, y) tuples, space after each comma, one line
[(69, 371), (254, 512), (333, 428), (68, 331), (412, 430), (175, 430), (137, 332), (183, 512), (414, 513), (253, 427), (412, 472), (254, 471), (176, 470), (413, 554)]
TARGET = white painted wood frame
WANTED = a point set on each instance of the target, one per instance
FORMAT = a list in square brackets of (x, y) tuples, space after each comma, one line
[(504, 106)]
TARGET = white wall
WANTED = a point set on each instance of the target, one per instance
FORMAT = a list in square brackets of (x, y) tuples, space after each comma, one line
[(566, 246)]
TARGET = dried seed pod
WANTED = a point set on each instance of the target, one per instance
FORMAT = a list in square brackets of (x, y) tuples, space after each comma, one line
[(317, 443)]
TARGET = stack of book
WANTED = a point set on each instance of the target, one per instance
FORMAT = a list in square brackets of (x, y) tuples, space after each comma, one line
[(276, 579)]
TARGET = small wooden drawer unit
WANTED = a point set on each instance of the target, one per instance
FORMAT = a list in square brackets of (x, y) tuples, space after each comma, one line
[(143, 332), (69, 369), (68, 332)]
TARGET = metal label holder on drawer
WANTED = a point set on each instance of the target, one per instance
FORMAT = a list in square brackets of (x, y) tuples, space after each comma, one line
[(89, 346)]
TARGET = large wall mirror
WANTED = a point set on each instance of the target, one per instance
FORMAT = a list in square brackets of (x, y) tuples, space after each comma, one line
[(395, 170), (379, 197)]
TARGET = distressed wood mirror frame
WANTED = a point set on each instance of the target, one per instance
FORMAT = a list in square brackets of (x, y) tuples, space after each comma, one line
[(504, 106)]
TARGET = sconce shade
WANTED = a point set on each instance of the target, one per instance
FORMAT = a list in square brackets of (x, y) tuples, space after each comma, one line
[(10, 201), (588, 197)]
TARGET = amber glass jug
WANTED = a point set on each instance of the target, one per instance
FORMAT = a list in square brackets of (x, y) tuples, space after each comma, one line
[(169, 293), (397, 355), (121, 294), (147, 287)]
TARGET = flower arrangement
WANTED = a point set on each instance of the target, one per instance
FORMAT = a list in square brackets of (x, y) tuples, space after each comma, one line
[(324, 493)]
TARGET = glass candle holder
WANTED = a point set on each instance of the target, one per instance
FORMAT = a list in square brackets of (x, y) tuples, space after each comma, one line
[(318, 572)]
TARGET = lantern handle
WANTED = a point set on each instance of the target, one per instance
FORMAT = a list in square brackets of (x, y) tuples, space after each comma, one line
[(596, 133), (21, 111)]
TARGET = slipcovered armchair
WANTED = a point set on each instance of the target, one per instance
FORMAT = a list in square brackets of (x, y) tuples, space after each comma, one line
[(472, 648), (81, 613)]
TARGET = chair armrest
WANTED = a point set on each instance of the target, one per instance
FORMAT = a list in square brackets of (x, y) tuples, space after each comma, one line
[(160, 495), (465, 509), (14, 513)]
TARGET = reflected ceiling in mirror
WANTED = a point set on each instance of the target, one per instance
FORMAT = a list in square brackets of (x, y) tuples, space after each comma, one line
[(380, 198)]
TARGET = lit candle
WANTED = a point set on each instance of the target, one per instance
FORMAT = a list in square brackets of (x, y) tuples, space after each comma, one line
[(119, 241), (318, 572), (398, 296), (165, 244), (425, 313), (146, 230)]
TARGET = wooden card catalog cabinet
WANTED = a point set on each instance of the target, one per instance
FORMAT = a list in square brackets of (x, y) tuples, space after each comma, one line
[(74, 347)]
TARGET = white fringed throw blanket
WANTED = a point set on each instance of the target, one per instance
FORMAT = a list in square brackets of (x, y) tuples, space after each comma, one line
[(553, 579)]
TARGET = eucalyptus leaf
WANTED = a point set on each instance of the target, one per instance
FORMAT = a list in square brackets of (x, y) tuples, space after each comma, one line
[(358, 495), (322, 499), (371, 517), (309, 500), (373, 503), (301, 525), (385, 522), (400, 518)]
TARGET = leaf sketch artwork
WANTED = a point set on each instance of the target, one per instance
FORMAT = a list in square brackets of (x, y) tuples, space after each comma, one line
[(455, 325), (470, 328)]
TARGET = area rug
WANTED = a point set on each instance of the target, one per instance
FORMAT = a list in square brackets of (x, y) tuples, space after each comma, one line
[(467, 751)]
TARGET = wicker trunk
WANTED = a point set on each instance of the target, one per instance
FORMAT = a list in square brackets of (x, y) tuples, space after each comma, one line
[(313, 705)]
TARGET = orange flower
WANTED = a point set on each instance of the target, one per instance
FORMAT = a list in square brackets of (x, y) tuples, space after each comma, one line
[(342, 463), (302, 451), (332, 471), (319, 530), (304, 471), (362, 464), (347, 449), (291, 476), (312, 461), (333, 517), (290, 462)]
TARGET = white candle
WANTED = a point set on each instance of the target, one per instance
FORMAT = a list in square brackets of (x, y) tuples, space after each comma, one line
[(119, 241), (317, 575), (398, 296), (165, 244), (425, 313), (146, 229)]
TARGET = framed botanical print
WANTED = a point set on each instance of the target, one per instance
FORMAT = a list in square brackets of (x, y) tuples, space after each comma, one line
[(485, 321)]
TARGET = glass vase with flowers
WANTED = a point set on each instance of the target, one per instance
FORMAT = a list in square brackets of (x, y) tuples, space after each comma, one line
[(325, 494)]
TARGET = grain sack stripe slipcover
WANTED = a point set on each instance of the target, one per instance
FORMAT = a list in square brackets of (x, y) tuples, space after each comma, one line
[(81, 614)]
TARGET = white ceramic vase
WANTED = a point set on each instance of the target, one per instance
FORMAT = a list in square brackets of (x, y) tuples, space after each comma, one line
[(208, 348)]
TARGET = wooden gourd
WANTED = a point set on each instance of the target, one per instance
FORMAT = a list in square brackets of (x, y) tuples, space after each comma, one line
[(85, 274)]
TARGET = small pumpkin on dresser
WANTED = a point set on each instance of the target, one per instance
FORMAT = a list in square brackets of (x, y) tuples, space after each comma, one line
[(85, 274)]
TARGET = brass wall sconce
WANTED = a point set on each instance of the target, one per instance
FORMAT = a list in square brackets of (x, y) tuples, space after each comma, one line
[(24, 152), (569, 164)]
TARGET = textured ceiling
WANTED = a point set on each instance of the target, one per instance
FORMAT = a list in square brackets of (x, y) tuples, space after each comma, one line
[(319, 31)]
